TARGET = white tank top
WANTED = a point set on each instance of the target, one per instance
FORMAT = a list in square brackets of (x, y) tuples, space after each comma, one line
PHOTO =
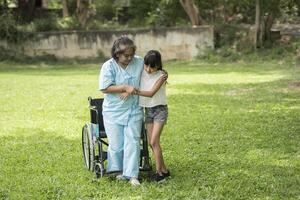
[(147, 82)]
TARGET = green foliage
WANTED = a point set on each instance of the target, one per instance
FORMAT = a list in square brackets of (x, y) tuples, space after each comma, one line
[(140, 11), (243, 11), (222, 11), (40, 25), (232, 132), (156, 13), (55, 4), (67, 23), (231, 54), (166, 13), (116, 13), (240, 50), (8, 27), (289, 12), (231, 35)]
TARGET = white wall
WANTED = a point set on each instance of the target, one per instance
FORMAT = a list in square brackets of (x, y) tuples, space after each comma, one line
[(173, 43)]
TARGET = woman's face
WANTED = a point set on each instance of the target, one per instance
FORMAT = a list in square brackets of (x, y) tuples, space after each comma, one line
[(125, 58)]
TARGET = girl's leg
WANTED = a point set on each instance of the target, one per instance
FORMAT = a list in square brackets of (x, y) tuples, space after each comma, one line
[(149, 127), (155, 145)]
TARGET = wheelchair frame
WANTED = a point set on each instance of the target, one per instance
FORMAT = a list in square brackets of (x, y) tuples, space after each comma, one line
[(94, 154)]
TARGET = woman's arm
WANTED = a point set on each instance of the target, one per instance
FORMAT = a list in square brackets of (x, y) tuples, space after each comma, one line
[(119, 89), (154, 89)]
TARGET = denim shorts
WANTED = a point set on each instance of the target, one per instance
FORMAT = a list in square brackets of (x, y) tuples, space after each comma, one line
[(156, 114)]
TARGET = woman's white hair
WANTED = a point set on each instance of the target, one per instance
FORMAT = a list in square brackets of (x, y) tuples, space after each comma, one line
[(120, 45)]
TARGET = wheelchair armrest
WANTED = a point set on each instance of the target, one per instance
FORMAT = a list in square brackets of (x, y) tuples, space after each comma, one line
[(93, 108)]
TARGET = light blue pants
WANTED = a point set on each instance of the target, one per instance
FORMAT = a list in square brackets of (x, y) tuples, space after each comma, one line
[(124, 147)]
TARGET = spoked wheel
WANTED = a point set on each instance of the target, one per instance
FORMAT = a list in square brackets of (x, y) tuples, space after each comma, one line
[(88, 148)]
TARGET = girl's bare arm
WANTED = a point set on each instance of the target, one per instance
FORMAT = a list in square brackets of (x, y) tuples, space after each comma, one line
[(154, 89)]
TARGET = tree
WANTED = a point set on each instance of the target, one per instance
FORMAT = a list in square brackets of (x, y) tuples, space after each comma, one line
[(266, 12), (45, 3), (192, 11), (257, 24), (83, 11), (298, 7), (65, 8)]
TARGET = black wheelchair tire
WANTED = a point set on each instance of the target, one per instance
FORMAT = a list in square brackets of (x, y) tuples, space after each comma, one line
[(88, 148)]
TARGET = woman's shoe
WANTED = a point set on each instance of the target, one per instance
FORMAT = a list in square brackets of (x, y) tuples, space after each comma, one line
[(134, 181), (120, 177)]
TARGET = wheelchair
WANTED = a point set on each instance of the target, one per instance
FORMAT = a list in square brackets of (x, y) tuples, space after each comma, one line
[(94, 142)]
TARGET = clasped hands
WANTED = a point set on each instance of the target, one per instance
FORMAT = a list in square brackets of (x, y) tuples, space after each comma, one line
[(128, 90)]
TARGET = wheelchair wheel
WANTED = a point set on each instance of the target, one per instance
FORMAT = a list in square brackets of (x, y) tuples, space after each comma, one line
[(88, 148)]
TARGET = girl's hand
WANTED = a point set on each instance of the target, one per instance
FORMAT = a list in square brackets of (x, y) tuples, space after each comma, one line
[(124, 95), (165, 74), (136, 91), (163, 78), (129, 89)]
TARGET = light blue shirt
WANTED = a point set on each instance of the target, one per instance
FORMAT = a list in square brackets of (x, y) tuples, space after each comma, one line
[(116, 110)]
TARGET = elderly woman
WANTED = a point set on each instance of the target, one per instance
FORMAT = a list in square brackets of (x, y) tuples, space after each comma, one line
[(122, 116)]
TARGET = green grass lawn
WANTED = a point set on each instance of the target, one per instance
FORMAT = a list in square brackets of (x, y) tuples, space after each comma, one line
[(233, 132)]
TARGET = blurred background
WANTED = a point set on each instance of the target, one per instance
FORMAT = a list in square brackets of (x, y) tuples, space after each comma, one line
[(239, 26)]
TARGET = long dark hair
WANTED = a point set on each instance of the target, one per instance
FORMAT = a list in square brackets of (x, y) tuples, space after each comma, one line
[(120, 45), (153, 59)]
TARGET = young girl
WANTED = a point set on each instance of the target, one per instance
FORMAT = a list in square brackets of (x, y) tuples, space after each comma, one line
[(152, 94)]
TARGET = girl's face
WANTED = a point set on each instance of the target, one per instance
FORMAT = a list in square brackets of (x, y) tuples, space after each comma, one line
[(125, 58), (149, 69)]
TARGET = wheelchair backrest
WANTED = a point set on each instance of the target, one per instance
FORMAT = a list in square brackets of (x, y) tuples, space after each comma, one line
[(96, 112)]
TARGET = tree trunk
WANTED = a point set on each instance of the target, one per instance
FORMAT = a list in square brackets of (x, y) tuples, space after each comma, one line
[(257, 41), (192, 11), (268, 21), (65, 8), (268, 25), (45, 4), (83, 11), (298, 7), (26, 10)]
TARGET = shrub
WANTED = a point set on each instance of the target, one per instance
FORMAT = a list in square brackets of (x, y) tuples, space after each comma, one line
[(8, 28)]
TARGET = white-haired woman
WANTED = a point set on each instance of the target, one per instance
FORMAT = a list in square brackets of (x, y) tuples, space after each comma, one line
[(122, 117)]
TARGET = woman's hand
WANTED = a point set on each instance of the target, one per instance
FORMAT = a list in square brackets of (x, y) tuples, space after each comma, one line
[(124, 95), (129, 89)]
